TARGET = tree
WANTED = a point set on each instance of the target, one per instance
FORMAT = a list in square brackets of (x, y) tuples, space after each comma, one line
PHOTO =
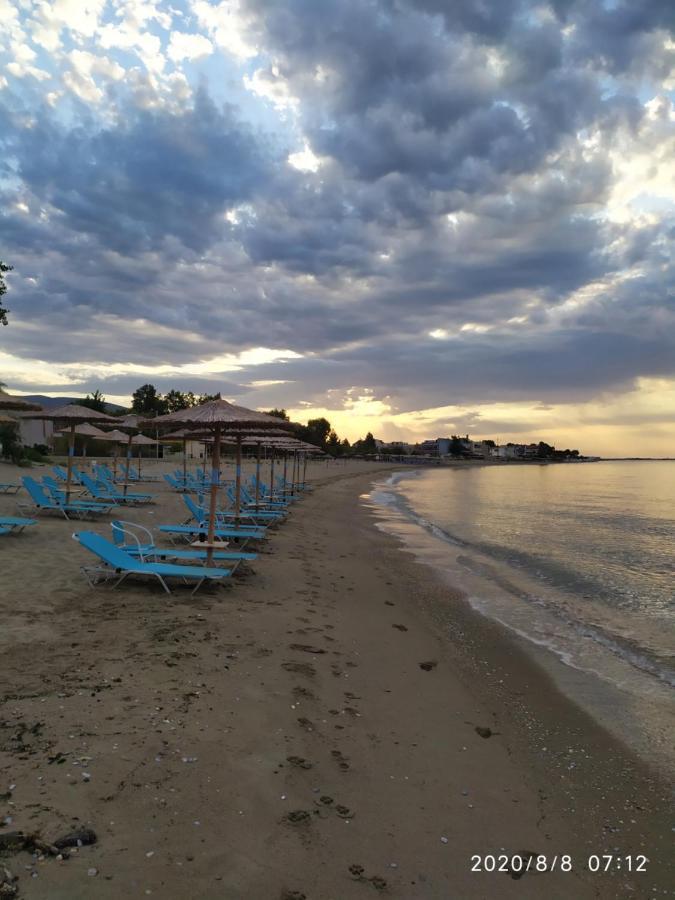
[(147, 402), (94, 401), (3, 290), (176, 400), (317, 431), (368, 444), (333, 445), (456, 446), (278, 414), (208, 398)]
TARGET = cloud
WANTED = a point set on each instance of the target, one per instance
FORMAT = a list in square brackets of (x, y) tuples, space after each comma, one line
[(188, 46), (468, 202)]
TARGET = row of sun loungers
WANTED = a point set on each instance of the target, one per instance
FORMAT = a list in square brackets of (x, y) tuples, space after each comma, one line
[(133, 549)]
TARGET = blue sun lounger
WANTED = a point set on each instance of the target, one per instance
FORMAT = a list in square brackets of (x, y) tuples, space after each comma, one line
[(42, 502), (199, 530), (263, 509), (227, 518), (14, 524), (138, 541), (105, 490), (117, 562)]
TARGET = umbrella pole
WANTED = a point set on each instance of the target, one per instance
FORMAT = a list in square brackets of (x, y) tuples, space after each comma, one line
[(115, 462), (304, 472), (237, 501), (139, 463), (257, 477), (71, 453), (215, 479), (126, 472), (295, 456), (271, 472), (285, 467), (184, 461)]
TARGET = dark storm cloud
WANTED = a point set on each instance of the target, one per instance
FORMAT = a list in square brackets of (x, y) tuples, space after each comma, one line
[(461, 184), (153, 175)]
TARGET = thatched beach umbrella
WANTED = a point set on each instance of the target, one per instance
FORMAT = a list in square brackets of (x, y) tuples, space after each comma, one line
[(140, 440), (70, 416), (270, 439), (217, 417), (85, 431), (130, 425), (181, 435), (117, 438)]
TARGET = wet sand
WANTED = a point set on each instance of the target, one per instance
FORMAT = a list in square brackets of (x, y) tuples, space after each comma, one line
[(335, 724)]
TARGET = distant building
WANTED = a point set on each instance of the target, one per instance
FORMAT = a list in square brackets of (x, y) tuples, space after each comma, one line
[(35, 431)]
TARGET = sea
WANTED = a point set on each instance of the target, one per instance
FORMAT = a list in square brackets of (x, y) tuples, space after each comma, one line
[(578, 559)]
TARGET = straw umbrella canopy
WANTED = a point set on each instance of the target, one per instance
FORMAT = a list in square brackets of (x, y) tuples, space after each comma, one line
[(216, 417), (9, 402), (117, 438), (140, 440), (86, 431), (272, 438), (130, 425), (8, 420), (70, 416), (181, 435)]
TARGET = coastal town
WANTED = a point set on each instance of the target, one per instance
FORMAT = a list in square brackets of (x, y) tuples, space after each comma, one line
[(456, 447)]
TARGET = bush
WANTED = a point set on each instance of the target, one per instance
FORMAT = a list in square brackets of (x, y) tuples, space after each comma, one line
[(32, 454)]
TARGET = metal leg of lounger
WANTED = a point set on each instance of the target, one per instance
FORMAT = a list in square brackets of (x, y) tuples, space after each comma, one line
[(197, 586), (162, 582), (120, 579)]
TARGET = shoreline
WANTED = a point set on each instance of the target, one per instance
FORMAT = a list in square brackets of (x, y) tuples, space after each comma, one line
[(312, 657), (633, 700)]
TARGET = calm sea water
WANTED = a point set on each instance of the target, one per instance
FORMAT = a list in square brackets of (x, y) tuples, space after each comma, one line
[(578, 557)]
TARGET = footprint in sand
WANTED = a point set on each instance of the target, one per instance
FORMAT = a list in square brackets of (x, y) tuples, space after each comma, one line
[(400, 627), (428, 666), (300, 668), (307, 648), (297, 817), (306, 723), (299, 762), (340, 759), (302, 693)]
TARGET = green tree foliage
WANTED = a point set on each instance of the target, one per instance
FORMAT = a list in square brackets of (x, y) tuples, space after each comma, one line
[(147, 402), (176, 400), (207, 398), (278, 414), (333, 445), (3, 290), (318, 431), (94, 401), (456, 446), (368, 444)]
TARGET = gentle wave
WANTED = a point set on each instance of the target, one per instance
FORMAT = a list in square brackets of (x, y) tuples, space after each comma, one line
[(570, 612)]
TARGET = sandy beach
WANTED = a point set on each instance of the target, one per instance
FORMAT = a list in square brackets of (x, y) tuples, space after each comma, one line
[(317, 730)]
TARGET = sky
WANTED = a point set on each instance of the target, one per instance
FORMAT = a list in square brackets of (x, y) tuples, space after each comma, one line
[(417, 218)]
